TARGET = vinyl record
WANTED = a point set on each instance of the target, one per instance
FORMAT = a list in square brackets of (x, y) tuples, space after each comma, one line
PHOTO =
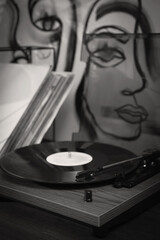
[(30, 163)]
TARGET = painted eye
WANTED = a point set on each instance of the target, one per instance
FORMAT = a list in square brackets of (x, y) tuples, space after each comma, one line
[(44, 16), (48, 23), (103, 55), (110, 58)]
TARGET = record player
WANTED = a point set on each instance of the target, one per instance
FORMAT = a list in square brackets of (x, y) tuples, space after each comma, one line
[(89, 182)]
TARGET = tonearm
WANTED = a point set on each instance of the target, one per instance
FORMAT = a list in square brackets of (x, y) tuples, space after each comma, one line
[(147, 161)]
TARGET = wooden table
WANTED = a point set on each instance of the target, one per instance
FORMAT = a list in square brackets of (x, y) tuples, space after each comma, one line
[(108, 202)]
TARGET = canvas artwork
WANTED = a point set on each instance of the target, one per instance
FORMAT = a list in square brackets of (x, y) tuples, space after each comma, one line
[(116, 98)]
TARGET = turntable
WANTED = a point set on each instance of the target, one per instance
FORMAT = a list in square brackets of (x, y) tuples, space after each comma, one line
[(89, 182)]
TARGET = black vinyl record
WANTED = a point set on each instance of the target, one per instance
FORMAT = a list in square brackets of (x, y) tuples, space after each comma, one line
[(30, 163)]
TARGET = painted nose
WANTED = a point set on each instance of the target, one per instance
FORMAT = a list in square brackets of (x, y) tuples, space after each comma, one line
[(130, 92)]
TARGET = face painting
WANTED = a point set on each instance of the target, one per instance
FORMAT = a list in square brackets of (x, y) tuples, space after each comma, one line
[(118, 101)]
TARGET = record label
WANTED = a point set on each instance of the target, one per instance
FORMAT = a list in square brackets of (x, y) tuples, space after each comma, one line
[(69, 159)]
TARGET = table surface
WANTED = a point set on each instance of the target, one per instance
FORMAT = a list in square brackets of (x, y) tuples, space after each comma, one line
[(108, 202)]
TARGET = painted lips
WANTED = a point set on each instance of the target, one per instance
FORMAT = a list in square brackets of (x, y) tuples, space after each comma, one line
[(132, 114)]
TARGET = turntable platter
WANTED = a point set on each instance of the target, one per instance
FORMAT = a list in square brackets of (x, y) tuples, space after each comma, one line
[(30, 162)]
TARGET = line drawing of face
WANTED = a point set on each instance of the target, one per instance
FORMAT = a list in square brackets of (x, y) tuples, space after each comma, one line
[(116, 99), (41, 23)]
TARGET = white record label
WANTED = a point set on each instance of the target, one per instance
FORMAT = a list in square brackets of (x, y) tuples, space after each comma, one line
[(69, 158)]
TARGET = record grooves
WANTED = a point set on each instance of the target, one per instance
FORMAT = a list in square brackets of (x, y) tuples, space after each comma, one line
[(30, 163)]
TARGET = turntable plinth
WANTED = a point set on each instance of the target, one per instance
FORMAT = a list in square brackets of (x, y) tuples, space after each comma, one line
[(27, 178), (108, 202)]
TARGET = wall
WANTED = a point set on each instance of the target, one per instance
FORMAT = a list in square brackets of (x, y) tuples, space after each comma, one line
[(117, 99)]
